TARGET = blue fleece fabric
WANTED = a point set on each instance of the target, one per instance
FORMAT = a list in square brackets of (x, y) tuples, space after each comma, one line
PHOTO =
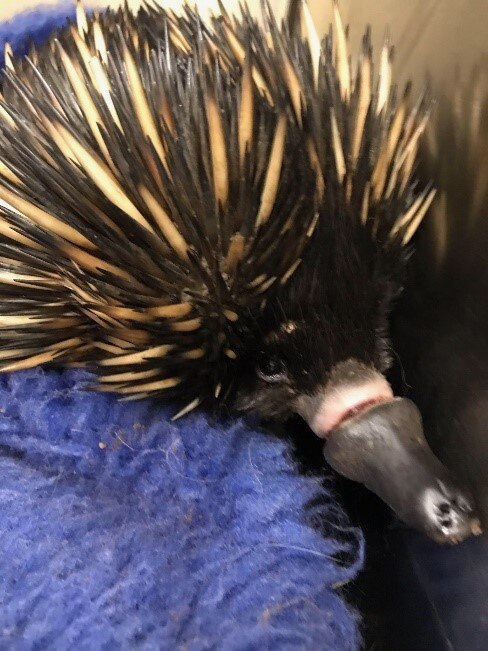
[(33, 27), (120, 529)]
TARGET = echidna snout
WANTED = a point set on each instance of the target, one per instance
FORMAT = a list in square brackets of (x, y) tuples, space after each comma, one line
[(376, 439), (385, 449), (370, 436)]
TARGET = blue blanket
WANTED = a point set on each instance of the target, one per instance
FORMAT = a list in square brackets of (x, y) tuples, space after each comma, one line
[(121, 529)]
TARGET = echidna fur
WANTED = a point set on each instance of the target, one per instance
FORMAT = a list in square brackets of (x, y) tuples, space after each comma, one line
[(101, 269), (218, 214)]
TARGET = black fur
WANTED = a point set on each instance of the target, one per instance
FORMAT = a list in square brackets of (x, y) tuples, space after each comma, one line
[(335, 308)]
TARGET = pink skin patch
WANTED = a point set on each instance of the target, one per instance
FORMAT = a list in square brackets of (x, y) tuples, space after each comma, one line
[(337, 404)]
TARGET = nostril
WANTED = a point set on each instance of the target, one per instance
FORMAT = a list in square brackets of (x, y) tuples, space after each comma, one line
[(444, 507)]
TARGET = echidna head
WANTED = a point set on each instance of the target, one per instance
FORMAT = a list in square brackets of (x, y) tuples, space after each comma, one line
[(323, 354)]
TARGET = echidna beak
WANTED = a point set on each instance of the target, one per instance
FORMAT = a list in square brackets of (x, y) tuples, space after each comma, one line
[(385, 449)]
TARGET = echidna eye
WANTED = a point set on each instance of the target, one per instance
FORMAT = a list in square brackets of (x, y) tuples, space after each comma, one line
[(271, 368)]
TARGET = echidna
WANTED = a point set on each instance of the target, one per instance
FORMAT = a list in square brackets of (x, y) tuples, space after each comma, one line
[(220, 214), (441, 324)]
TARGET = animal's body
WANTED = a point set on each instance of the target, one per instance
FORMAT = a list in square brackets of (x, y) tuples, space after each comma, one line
[(221, 216)]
